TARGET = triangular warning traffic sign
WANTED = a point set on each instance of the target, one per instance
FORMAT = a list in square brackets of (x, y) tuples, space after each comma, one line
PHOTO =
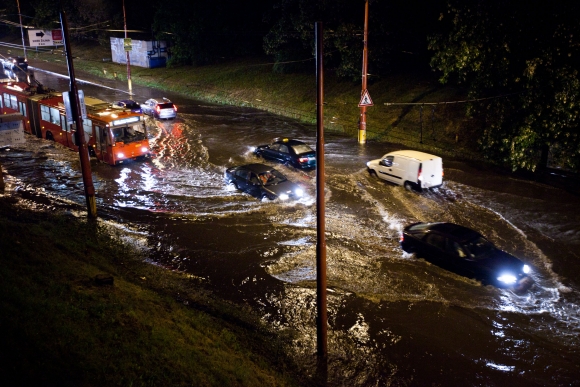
[(365, 99)]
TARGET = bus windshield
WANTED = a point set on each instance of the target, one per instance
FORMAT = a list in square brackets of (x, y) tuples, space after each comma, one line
[(129, 133)]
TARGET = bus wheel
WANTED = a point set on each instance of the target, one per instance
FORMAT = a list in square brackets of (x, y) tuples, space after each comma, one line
[(49, 136), (92, 152)]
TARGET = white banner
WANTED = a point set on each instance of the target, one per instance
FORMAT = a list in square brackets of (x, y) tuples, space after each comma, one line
[(45, 38), (11, 131)]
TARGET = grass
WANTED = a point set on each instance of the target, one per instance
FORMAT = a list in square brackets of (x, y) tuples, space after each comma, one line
[(441, 128), (60, 327)]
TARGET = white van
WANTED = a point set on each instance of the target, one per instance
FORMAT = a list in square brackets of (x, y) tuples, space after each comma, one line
[(412, 169)]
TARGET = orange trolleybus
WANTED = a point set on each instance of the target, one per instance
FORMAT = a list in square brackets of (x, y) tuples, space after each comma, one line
[(112, 135)]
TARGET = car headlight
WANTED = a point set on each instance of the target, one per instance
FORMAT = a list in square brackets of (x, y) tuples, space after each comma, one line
[(526, 269), (507, 279), (144, 149), (299, 192), (283, 196), (120, 155)]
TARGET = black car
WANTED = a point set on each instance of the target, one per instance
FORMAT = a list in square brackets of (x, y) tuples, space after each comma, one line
[(465, 252), (262, 181), (16, 63), (127, 104), (291, 152)]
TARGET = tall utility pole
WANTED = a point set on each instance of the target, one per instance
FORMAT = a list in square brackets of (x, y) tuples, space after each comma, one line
[(80, 133), (128, 56), (21, 28), (321, 320), (362, 124)]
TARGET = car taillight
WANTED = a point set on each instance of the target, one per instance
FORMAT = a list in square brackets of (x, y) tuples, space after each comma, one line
[(401, 237), (157, 109), (175, 108), (303, 159)]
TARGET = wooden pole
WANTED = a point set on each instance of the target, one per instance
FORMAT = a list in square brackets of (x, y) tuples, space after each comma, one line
[(80, 133), (320, 205), (362, 125)]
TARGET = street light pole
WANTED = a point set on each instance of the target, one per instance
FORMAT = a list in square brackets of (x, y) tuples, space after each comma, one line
[(362, 129), (21, 28), (127, 52)]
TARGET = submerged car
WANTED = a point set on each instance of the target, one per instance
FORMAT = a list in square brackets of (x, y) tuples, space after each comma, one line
[(127, 104), (466, 252), (263, 182), (287, 151), (159, 108), (16, 63)]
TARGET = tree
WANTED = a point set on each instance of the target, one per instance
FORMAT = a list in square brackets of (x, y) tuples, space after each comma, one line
[(203, 32), (524, 59), (291, 43)]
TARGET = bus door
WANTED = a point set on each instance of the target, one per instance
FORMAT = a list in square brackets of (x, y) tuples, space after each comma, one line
[(103, 145)]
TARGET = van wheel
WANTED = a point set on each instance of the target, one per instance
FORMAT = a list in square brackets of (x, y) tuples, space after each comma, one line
[(409, 186)]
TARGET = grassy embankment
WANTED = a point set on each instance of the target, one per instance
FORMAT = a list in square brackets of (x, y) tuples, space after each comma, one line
[(150, 327), (441, 129)]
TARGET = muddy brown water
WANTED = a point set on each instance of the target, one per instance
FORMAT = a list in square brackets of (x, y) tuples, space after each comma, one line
[(394, 320)]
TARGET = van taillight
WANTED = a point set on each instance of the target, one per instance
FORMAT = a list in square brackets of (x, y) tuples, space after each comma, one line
[(420, 171)]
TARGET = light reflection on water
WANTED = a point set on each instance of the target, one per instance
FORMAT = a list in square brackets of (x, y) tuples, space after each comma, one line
[(388, 310)]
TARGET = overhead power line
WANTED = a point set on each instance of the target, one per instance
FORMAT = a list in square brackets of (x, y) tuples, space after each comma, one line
[(449, 102)]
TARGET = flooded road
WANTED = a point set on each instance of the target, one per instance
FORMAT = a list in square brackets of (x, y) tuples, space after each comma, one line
[(394, 320)]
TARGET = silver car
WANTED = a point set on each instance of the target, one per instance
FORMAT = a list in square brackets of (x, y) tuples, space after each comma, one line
[(160, 108)]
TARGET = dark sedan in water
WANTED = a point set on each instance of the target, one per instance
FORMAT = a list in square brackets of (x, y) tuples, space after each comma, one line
[(290, 152), (465, 252), (262, 181)]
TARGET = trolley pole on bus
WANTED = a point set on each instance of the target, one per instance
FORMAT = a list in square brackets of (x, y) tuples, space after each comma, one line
[(80, 133), (321, 319)]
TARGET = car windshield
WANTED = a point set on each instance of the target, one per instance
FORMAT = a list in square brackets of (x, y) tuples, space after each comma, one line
[(302, 148), (166, 105), (272, 177), (479, 247)]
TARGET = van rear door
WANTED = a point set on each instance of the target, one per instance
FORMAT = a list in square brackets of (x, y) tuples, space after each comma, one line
[(432, 173)]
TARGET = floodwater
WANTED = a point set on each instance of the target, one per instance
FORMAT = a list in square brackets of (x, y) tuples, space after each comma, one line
[(394, 320)]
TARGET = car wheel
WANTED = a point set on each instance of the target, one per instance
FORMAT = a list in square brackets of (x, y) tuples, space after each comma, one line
[(406, 248), (372, 172)]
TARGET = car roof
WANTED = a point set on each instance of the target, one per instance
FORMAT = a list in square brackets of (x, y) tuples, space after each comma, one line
[(289, 141), (421, 156), (455, 230), (160, 100), (256, 168)]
